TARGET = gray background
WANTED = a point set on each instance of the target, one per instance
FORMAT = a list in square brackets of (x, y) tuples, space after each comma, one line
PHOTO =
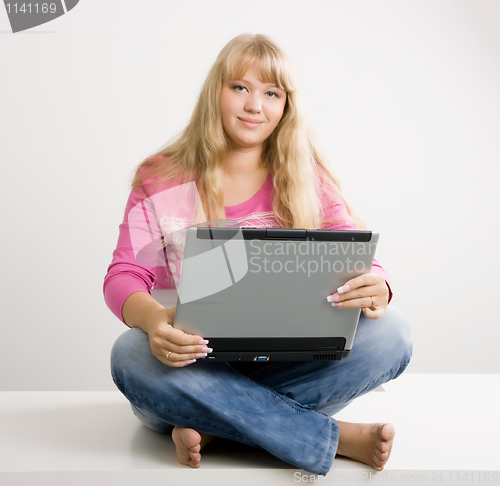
[(406, 99)]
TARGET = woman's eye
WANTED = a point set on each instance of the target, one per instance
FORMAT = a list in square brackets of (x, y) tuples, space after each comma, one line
[(240, 89)]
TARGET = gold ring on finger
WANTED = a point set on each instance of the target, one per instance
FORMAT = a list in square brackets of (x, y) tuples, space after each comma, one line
[(372, 308), (168, 354)]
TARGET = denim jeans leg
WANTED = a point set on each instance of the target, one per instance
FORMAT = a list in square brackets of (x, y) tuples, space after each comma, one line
[(152, 421), (381, 351), (214, 398)]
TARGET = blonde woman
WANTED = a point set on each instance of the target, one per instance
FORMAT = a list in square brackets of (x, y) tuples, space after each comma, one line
[(252, 156)]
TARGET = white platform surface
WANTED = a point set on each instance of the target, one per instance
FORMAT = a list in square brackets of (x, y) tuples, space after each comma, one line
[(444, 424)]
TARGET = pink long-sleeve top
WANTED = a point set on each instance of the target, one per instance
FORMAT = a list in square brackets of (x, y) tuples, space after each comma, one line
[(140, 261)]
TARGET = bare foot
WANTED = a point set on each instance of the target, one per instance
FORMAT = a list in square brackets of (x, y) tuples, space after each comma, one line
[(367, 443), (188, 444)]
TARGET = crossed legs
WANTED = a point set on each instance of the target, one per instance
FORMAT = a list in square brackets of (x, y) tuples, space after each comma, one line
[(283, 407)]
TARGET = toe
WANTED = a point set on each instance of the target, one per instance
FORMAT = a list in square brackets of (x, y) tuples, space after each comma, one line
[(195, 449), (387, 432), (383, 447), (195, 457), (378, 462), (190, 437)]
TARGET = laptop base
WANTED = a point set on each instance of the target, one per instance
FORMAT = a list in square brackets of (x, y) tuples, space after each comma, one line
[(277, 349), (247, 357)]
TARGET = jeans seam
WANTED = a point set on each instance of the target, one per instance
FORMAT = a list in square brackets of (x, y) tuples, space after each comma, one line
[(402, 368), (360, 393), (330, 423), (281, 397)]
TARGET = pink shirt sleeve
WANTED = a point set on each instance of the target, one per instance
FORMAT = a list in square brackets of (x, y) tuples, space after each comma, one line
[(335, 209), (125, 275), (148, 243)]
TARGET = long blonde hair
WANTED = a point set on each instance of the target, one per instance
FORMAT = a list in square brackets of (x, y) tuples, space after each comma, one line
[(300, 172)]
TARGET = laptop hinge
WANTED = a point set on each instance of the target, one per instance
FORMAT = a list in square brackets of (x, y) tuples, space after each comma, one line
[(327, 349), (286, 233)]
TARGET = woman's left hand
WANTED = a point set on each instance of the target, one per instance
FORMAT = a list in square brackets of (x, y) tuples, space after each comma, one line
[(360, 291)]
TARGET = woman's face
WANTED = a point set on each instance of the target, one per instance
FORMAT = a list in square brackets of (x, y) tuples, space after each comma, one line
[(250, 109)]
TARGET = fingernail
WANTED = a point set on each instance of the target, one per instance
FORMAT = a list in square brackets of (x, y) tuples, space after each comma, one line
[(333, 298), (191, 361), (206, 350), (202, 341), (343, 289), (337, 304), (201, 355)]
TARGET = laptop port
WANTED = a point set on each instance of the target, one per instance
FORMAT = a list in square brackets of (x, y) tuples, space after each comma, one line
[(261, 358)]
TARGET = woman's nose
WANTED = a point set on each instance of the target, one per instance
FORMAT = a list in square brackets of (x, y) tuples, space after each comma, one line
[(254, 104)]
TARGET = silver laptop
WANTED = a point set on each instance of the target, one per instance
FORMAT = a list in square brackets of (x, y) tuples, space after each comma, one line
[(260, 294)]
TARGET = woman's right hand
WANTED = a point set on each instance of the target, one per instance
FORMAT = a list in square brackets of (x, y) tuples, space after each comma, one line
[(163, 337)]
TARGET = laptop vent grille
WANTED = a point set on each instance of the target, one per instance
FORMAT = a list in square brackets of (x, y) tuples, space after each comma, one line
[(324, 357)]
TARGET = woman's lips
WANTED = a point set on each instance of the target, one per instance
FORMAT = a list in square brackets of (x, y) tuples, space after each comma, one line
[(250, 124)]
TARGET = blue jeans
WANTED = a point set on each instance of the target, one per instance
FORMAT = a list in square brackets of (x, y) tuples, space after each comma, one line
[(283, 407)]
